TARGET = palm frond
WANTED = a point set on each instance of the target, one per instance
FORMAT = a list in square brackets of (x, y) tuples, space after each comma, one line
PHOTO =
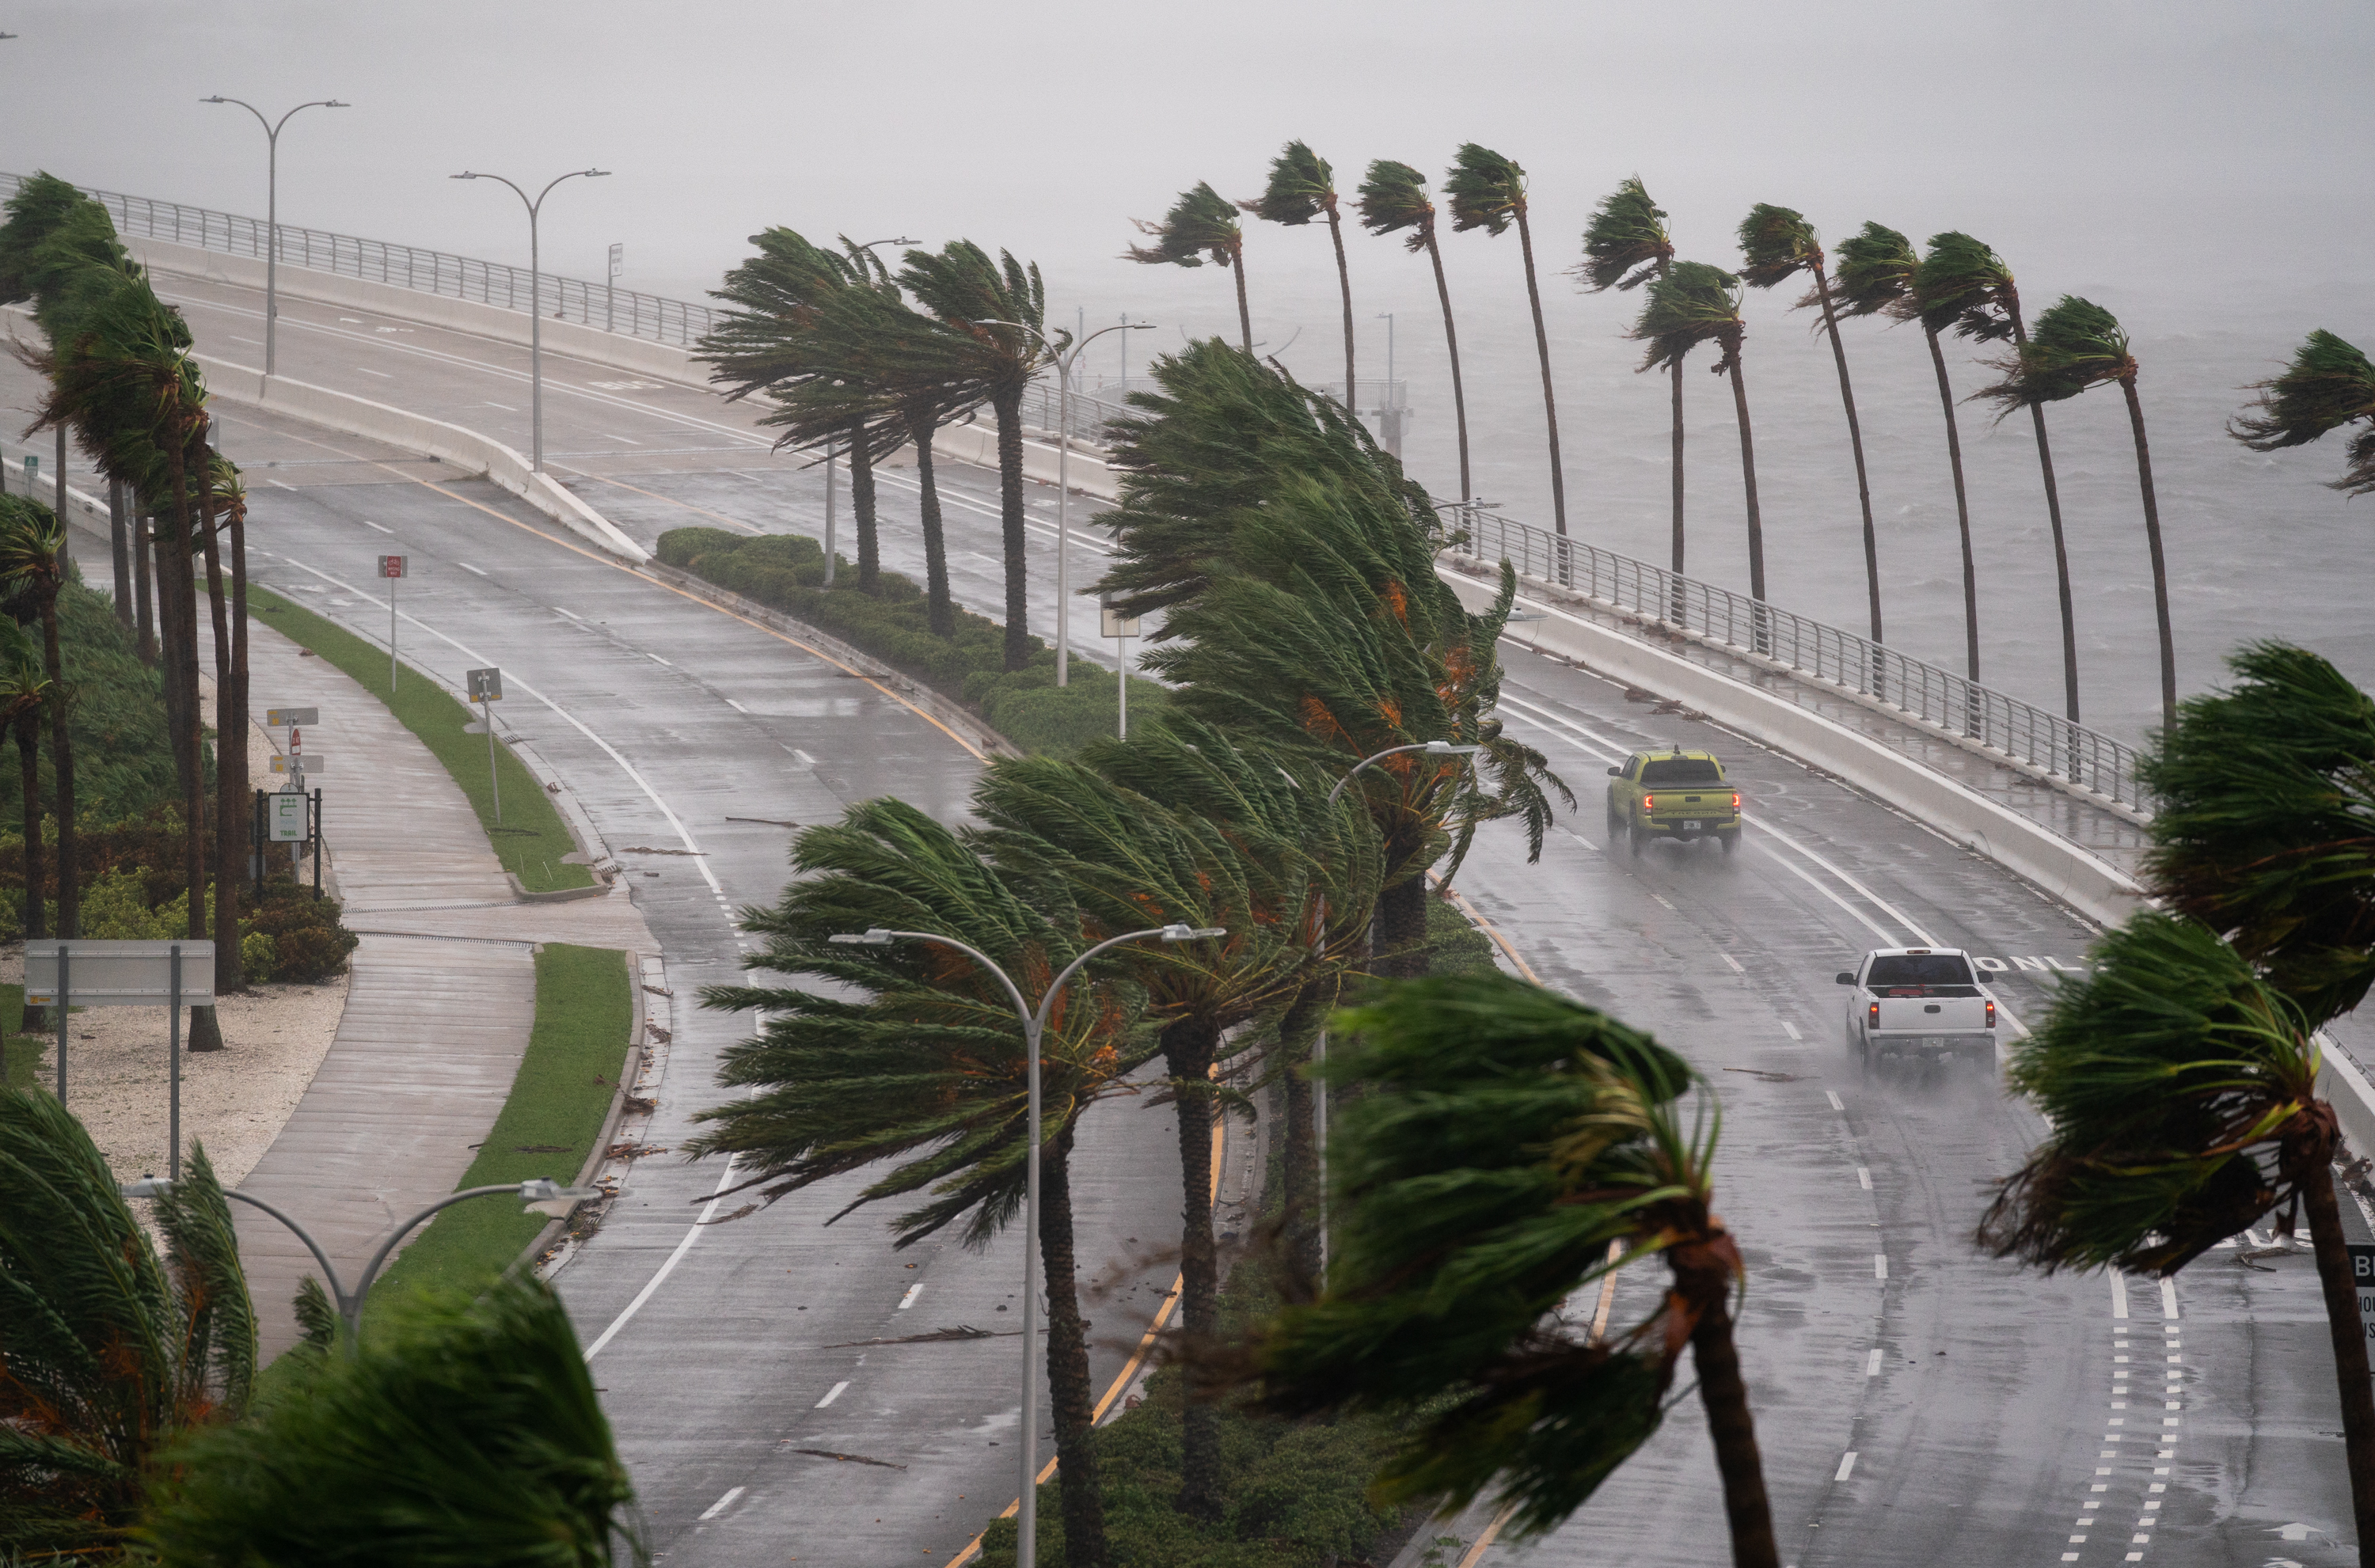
[(1393, 200), (1875, 272), (1776, 244), (1302, 187), (2329, 385), (1694, 303), (1485, 189), (1625, 245), (1964, 285), (2075, 344), (1200, 226)]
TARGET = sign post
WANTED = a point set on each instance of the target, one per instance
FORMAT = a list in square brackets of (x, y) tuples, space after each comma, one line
[(1121, 627), (65, 974), (610, 289), (487, 689), (391, 567)]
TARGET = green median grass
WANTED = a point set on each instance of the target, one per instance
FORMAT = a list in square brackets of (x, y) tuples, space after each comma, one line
[(532, 838)]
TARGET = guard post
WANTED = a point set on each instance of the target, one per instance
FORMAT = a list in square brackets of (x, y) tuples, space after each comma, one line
[(67, 974), (486, 690), (1121, 627)]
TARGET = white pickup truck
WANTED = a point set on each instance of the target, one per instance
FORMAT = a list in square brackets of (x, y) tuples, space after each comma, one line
[(1918, 1004)]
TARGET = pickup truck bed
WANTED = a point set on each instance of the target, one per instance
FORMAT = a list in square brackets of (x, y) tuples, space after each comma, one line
[(1918, 1004)]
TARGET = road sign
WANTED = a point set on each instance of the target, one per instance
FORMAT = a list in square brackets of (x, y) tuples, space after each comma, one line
[(285, 815), (486, 685), (303, 763), (118, 974), (391, 566), (1113, 623), (33, 472), (281, 718)]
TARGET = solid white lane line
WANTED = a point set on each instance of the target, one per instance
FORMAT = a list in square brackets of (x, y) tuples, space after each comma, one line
[(467, 567), (1846, 1466), (504, 406), (909, 1299), (692, 1234), (1737, 969), (369, 523), (835, 1393), (2118, 1295), (1790, 1029), (1836, 1103), (1878, 903), (2168, 1298), (369, 371), (720, 1506), (1863, 1177)]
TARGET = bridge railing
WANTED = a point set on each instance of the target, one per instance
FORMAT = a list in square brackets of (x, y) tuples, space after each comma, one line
[(1878, 674)]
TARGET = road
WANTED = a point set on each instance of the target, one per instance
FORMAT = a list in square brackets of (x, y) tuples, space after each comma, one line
[(1917, 1402)]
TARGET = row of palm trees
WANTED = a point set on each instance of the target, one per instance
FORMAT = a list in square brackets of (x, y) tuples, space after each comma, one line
[(120, 379), (1305, 631), (1957, 286)]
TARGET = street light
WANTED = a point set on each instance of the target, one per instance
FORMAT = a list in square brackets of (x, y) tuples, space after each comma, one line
[(540, 1194), (271, 209), (536, 304), (868, 249), (1064, 360), (1034, 1025)]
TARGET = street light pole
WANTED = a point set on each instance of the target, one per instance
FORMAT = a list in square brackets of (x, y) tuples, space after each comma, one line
[(540, 1193), (1065, 358), (536, 303), (272, 213), (1034, 1023)]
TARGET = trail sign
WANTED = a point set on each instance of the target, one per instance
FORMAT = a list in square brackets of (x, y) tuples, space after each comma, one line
[(1114, 623), (487, 686), (282, 718), (301, 763), (286, 815), (63, 975)]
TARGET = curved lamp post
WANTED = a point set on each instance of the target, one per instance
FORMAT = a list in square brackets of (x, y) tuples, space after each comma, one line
[(1034, 1023), (541, 1194), (1064, 359), (536, 303), (271, 210)]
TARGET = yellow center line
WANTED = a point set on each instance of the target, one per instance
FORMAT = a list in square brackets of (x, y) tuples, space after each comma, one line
[(1489, 930)]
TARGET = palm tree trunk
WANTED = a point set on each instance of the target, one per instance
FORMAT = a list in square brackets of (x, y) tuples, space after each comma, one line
[(61, 779), (941, 617), (1748, 479), (2159, 565), (1451, 342), (1188, 1046), (230, 749), (1344, 287), (1300, 1164), (2060, 552), (1550, 401), (1244, 314), (2349, 1336), (1401, 929), (1071, 1400), (119, 540), (143, 594), (861, 511), (32, 1020), (1725, 1396), (1962, 511), (182, 665), (1007, 406), (1855, 440)]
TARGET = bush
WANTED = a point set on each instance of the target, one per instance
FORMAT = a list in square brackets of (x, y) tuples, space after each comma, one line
[(259, 955), (123, 759), (785, 572)]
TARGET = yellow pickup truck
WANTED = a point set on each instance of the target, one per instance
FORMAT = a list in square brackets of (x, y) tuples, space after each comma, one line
[(1673, 795)]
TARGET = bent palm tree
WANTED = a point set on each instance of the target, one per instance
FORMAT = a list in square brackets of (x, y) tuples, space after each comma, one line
[(1777, 243), (1302, 187), (1394, 201), (2328, 385), (24, 694), (2077, 345), (1487, 190), (1964, 279), (2181, 1087), (1624, 245), (32, 563), (1696, 303), (1203, 223), (1508, 1138)]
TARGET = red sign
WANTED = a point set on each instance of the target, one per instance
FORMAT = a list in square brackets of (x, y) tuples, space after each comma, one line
[(391, 566)]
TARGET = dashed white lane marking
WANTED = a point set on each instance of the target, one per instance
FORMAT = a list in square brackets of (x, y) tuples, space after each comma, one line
[(369, 523), (720, 1506), (278, 482), (2118, 1295), (1790, 1029), (657, 660), (1872, 1366), (1581, 840), (1863, 1177), (1836, 1103), (1879, 1266), (1664, 900), (909, 1299), (736, 706), (833, 1393), (504, 406), (369, 371), (571, 614), (1846, 1466), (1735, 967), (467, 567)]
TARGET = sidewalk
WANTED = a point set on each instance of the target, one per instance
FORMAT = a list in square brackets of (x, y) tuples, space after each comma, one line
[(440, 1005)]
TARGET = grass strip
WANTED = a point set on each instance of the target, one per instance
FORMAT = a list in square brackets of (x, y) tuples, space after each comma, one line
[(21, 1055), (532, 838), (584, 1013)]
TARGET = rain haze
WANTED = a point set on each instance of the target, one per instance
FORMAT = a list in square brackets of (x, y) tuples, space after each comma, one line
[(2197, 169)]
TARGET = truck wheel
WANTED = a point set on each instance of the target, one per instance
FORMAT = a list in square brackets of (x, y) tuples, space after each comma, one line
[(1730, 840), (1637, 837)]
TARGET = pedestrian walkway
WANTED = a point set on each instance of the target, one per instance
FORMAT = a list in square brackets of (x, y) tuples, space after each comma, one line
[(441, 999)]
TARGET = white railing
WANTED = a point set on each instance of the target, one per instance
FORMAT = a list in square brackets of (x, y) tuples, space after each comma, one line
[(2046, 743), (622, 311)]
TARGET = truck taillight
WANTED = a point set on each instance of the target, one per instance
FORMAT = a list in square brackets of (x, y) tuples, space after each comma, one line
[(1735, 800), (1991, 1012), (1648, 803), (1875, 1015)]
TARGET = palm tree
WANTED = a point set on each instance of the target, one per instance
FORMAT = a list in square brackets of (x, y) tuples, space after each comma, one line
[(32, 561), (1505, 1139), (227, 501), (1487, 190), (1963, 278), (1696, 303), (913, 1054), (468, 1431), (1777, 243), (2329, 385), (24, 694), (1624, 245), (110, 1351), (2077, 345), (1302, 187), (1201, 224), (1394, 201), (2181, 1087), (967, 291)]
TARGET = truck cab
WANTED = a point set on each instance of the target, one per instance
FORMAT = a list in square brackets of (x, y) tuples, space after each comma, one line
[(1673, 795), (1918, 1004)]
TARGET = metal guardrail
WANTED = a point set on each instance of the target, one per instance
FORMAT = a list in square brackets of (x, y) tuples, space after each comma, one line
[(2044, 742), (1089, 414), (622, 311)]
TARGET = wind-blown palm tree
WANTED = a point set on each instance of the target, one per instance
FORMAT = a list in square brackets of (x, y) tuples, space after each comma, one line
[(463, 1431), (1963, 278), (1696, 303), (1777, 243), (1624, 245), (1394, 201), (1202, 224), (916, 1056), (1506, 1138), (2078, 344), (24, 697), (108, 1352), (2181, 1090), (227, 559), (1487, 190), (2329, 385), (1302, 187), (32, 561), (965, 290)]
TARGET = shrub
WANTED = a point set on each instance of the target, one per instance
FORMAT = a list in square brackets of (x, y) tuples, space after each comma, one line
[(124, 760), (259, 955)]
